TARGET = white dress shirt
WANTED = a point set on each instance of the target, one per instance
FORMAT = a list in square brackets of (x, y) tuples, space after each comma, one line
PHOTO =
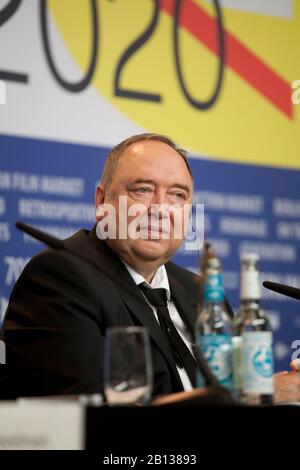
[(160, 280)]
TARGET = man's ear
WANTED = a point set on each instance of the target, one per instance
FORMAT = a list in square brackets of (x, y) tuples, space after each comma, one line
[(99, 195), (99, 201)]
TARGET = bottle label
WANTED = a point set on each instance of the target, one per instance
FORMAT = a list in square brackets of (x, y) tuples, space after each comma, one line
[(257, 362), (237, 345), (213, 288), (217, 350), (250, 285)]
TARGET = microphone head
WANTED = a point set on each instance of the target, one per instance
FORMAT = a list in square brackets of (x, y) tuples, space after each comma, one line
[(41, 236), (289, 291)]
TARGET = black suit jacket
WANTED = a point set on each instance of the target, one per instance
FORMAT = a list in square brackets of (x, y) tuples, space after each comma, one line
[(60, 308)]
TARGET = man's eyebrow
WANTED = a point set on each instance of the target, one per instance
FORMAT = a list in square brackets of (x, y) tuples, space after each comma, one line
[(181, 186), (142, 180), (154, 183)]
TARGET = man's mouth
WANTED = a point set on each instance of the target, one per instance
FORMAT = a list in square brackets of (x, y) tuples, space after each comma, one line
[(151, 231)]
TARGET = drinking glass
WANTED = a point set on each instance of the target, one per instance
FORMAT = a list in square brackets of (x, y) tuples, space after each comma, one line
[(127, 366)]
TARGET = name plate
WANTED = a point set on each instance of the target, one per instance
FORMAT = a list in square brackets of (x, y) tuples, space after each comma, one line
[(41, 425)]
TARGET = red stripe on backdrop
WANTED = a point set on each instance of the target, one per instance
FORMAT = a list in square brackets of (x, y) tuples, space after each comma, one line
[(239, 57)]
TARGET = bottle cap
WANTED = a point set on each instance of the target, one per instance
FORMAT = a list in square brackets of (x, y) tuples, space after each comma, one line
[(250, 257), (213, 263)]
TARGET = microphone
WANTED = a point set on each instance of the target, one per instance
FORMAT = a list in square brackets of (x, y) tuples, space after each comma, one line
[(57, 244), (289, 291), (41, 236)]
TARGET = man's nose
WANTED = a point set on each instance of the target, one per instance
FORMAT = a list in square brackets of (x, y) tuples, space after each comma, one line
[(159, 207), (159, 198)]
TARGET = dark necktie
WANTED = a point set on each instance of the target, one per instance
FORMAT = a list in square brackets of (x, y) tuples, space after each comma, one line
[(180, 352)]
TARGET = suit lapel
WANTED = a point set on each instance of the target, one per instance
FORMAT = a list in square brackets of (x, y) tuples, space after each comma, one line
[(186, 304)]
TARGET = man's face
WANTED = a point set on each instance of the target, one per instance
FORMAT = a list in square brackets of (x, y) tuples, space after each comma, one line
[(150, 174)]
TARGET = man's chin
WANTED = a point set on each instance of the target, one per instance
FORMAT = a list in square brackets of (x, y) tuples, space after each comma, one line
[(152, 250)]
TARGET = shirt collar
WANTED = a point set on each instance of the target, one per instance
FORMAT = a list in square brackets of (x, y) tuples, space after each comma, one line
[(160, 279)]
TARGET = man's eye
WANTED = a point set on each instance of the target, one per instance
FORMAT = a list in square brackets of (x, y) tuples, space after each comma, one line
[(142, 190), (179, 195)]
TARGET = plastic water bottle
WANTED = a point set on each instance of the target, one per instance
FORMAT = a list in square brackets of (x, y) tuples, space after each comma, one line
[(253, 354)]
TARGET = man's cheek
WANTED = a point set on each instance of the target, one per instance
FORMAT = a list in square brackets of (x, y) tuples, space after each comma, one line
[(179, 223)]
